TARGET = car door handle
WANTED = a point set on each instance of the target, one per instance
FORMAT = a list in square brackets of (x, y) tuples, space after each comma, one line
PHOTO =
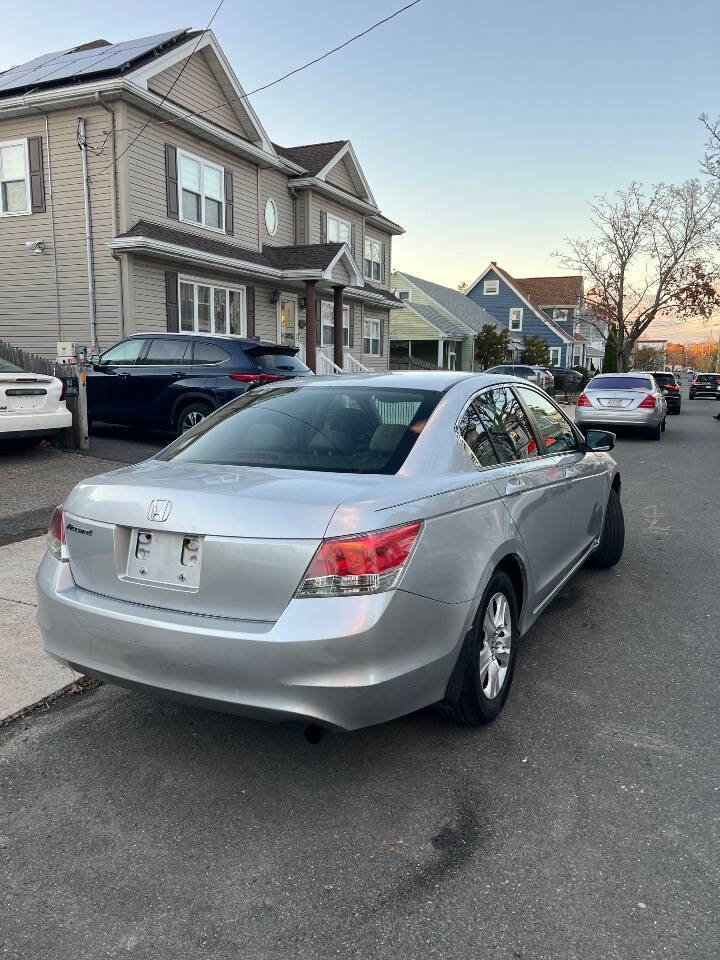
[(176, 375), (515, 486), (124, 376)]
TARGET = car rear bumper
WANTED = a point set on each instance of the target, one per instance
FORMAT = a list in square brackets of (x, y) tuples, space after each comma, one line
[(339, 662), (15, 425), (610, 417)]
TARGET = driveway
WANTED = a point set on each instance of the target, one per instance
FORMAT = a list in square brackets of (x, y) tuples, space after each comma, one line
[(582, 825)]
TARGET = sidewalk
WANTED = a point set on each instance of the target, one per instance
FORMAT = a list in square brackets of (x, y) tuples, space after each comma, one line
[(27, 674)]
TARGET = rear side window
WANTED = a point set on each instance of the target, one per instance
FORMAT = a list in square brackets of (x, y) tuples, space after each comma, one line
[(207, 353), (473, 432), (620, 383), (334, 428), (287, 362), (506, 424), (169, 350), (555, 429)]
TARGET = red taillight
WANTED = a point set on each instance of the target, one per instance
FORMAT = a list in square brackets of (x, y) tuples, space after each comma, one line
[(370, 563), (256, 378), (696, 383), (582, 401), (648, 403), (63, 392), (673, 386), (56, 534)]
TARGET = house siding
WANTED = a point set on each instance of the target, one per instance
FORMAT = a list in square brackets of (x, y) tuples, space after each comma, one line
[(28, 307), (317, 205), (146, 180), (406, 325), (274, 185), (499, 307), (197, 88), (339, 176)]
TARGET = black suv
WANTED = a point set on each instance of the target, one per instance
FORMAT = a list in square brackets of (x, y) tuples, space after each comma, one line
[(705, 385), (171, 381), (670, 388)]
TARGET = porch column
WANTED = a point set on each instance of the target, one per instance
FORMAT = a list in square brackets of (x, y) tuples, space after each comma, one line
[(310, 327), (338, 327), (440, 354)]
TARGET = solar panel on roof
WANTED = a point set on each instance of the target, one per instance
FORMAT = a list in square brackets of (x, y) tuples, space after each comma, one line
[(69, 64)]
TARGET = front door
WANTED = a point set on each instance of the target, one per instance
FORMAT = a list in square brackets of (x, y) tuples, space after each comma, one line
[(288, 333)]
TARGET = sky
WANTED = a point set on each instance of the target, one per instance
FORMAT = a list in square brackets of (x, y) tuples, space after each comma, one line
[(483, 128)]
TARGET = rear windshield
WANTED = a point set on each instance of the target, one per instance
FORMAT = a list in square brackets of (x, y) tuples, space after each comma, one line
[(280, 361), (707, 376), (619, 383), (331, 428), (7, 367), (664, 377)]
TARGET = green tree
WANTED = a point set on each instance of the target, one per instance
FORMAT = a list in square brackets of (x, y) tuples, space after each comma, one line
[(491, 346), (535, 350), (610, 358)]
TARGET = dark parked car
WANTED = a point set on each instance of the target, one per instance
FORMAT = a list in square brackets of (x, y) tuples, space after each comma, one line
[(705, 385), (172, 381), (670, 388), (566, 377)]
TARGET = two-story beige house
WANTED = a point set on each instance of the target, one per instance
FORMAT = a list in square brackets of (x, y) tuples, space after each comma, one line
[(139, 192)]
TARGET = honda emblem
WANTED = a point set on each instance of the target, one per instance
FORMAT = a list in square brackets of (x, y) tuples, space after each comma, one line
[(159, 509)]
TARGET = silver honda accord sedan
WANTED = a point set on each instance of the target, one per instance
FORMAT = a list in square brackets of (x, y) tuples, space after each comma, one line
[(339, 551)]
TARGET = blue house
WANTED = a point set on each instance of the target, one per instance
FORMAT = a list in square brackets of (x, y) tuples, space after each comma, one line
[(545, 307)]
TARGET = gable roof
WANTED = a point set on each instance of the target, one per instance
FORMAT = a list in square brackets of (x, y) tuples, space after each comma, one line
[(89, 61), (552, 291), (440, 321), (313, 157), (461, 307), (516, 288)]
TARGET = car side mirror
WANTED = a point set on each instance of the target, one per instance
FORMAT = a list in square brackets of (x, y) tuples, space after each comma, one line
[(601, 441), (94, 360)]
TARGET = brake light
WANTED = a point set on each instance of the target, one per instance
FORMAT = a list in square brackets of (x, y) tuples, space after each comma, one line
[(648, 403), (370, 563), (582, 401), (256, 378), (56, 534), (63, 392), (696, 383), (673, 386)]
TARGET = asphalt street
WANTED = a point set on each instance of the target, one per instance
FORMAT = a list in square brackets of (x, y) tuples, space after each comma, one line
[(582, 824)]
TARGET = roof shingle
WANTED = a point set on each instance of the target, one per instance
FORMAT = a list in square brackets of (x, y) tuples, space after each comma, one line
[(311, 156)]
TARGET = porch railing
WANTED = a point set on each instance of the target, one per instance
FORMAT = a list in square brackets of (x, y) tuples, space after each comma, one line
[(325, 366), (354, 366)]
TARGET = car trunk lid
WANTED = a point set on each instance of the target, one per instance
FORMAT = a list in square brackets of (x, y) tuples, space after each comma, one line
[(616, 399), (214, 540), (27, 393)]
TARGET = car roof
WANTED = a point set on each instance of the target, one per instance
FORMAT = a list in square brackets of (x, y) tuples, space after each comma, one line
[(439, 380), (232, 338)]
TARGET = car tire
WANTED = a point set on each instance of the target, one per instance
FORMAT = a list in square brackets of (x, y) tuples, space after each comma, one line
[(691, 396), (612, 538), (654, 433), (474, 697), (663, 425), (190, 415)]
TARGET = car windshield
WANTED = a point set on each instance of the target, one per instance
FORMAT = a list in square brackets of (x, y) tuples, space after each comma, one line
[(353, 429), (7, 367), (619, 383)]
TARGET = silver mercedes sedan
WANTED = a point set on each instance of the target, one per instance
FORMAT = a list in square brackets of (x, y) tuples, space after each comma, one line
[(623, 400), (339, 551)]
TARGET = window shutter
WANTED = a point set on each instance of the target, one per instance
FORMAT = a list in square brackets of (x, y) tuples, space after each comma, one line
[(171, 182), (37, 178), (382, 263), (323, 226), (382, 336), (352, 240), (250, 310), (172, 312), (351, 337), (229, 203)]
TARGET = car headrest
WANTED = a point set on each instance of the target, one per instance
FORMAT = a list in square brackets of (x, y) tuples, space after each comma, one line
[(348, 420), (386, 437)]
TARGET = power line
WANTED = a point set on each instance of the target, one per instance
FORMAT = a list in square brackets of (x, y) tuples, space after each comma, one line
[(272, 83), (166, 94)]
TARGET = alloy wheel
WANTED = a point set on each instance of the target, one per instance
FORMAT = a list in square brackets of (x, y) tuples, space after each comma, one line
[(191, 418), (495, 647)]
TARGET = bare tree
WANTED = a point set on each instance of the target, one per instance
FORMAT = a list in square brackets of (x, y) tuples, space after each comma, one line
[(711, 161), (652, 255)]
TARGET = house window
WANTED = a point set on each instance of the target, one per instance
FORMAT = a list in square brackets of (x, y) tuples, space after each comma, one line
[(555, 356), (271, 217), (560, 315), (491, 288), (205, 308), (516, 318), (201, 186), (371, 337), (327, 325), (404, 295), (373, 259), (338, 230), (14, 186)]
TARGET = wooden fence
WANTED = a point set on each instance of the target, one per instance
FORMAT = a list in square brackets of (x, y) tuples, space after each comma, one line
[(76, 436)]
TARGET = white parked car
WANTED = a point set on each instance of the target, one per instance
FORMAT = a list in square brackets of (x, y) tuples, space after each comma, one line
[(32, 405)]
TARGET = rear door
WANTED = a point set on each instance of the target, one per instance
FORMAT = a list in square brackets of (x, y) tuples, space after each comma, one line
[(158, 369), (532, 485), (584, 472)]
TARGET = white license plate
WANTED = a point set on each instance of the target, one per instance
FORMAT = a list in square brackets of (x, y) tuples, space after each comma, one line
[(616, 403), (165, 559)]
